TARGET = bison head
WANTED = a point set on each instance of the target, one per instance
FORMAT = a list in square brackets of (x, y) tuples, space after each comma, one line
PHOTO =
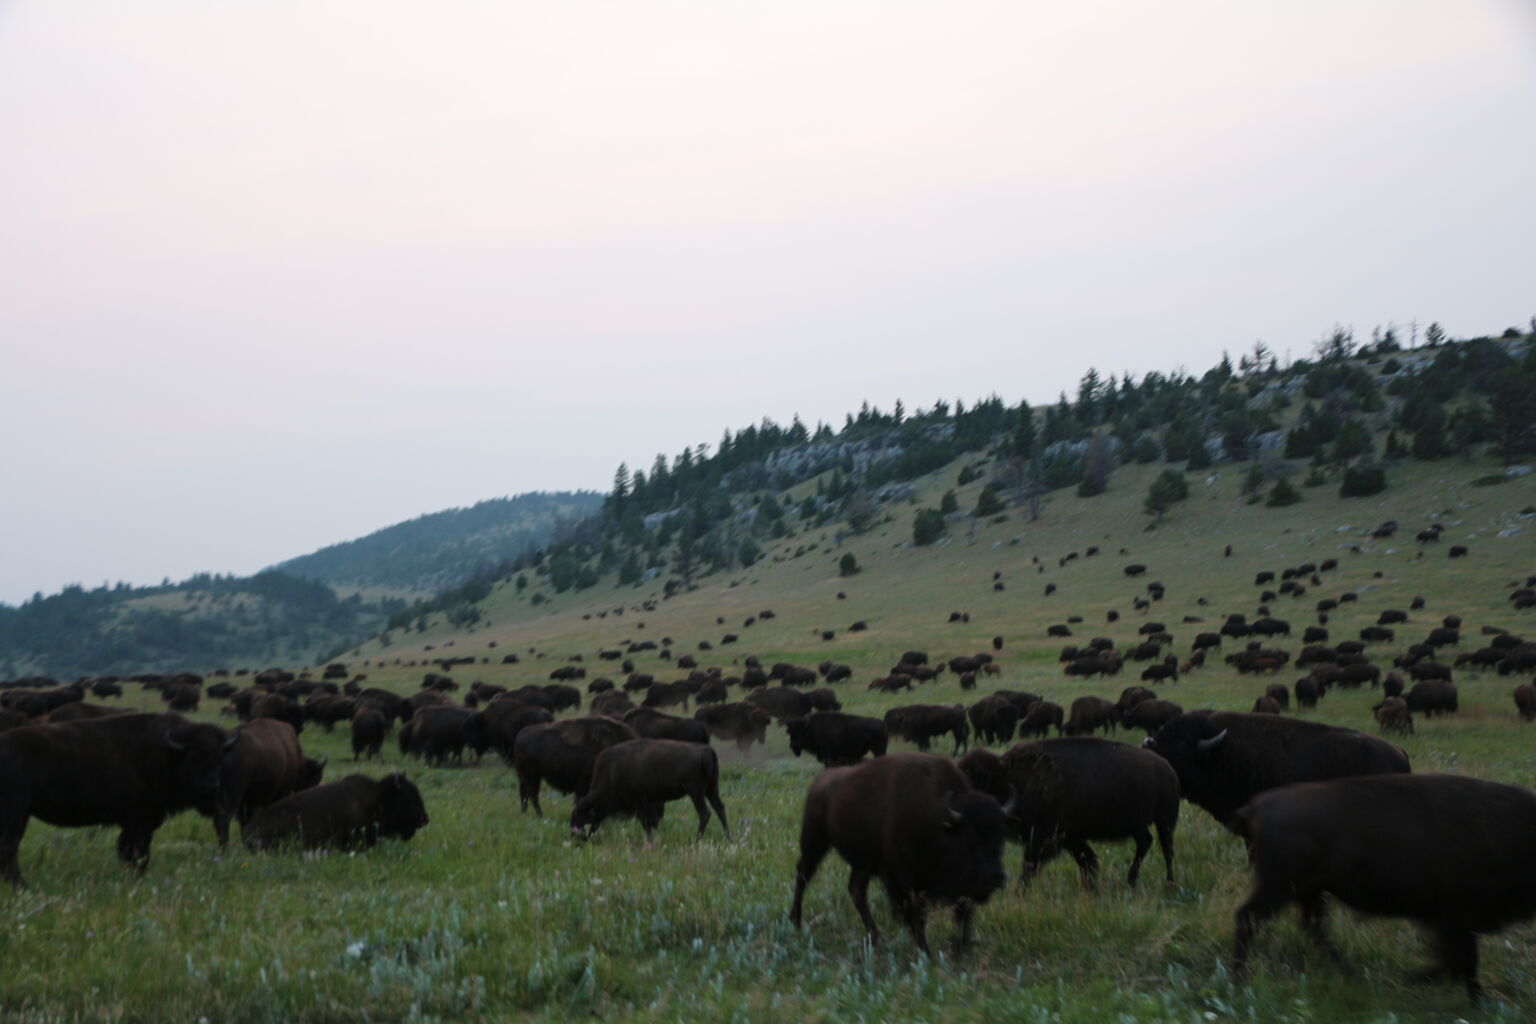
[(972, 827), (403, 811), (199, 752), (1185, 740)]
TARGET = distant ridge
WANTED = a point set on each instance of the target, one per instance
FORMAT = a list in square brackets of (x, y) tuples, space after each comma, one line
[(441, 549)]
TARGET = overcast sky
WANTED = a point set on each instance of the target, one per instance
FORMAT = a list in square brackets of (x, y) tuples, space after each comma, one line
[(274, 275)]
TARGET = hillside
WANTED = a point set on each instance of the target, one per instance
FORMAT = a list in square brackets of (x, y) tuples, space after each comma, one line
[(1361, 423), (440, 549), (203, 623)]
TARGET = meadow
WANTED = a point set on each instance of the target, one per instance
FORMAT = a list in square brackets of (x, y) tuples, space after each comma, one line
[(491, 914)]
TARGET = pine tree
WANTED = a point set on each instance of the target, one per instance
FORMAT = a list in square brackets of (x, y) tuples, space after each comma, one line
[(1166, 491)]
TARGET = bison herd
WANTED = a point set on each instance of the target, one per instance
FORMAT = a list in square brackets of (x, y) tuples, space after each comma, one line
[(1324, 810)]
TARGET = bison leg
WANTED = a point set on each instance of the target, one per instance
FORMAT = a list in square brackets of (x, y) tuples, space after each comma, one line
[(1165, 843), (1088, 861), (1143, 837), (1040, 849), (914, 912), (528, 791), (221, 827), (1456, 952), (858, 890), (965, 921), (714, 801), (1261, 905), (10, 849), (813, 847), (133, 848), (1314, 921), (703, 811)]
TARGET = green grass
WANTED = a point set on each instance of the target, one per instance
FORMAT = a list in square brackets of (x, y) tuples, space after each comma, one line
[(489, 914)]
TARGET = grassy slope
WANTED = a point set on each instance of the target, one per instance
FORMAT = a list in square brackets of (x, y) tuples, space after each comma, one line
[(491, 914)]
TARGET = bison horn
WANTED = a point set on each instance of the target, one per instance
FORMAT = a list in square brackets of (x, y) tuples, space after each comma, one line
[(325, 759), (174, 743), (1149, 743), (949, 810), (1011, 803), (1211, 743), (231, 740)]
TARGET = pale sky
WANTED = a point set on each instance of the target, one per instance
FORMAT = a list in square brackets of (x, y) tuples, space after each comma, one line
[(276, 275)]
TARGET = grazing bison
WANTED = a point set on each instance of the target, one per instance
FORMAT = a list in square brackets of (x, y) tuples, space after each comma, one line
[(994, 718), (1224, 758), (1070, 791), (1150, 715), (1392, 715), (495, 727), (782, 702), (352, 814), (1089, 714), (440, 734), (835, 738), (914, 822), (638, 777), (1450, 852), (651, 724), (1525, 701), (921, 723), (369, 727), (741, 723), (562, 754), (132, 771), (1432, 698), (265, 764), (1039, 718)]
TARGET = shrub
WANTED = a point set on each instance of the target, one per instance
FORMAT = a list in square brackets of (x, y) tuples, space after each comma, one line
[(1363, 481), (1283, 494), (847, 565), (928, 526), (949, 504), (989, 503)]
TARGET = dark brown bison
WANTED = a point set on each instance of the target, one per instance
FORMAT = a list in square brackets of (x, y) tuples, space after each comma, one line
[(640, 776), (1070, 791), (994, 718), (1039, 718), (440, 734), (741, 723), (922, 723), (495, 726), (1392, 715), (1432, 698), (1450, 852), (835, 738), (352, 814), (265, 764), (1089, 714), (1225, 758), (914, 822), (132, 771), (650, 724), (369, 727), (562, 753), (1150, 715)]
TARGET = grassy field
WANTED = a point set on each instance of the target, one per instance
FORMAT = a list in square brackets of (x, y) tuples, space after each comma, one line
[(489, 914)]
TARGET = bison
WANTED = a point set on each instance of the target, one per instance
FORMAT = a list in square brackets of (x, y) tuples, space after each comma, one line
[(921, 723), (562, 753), (265, 764), (1225, 758), (1070, 791), (1450, 852), (132, 771), (916, 823), (741, 723), (639, 776), (835, 738), (651, 724), (352, 814)]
